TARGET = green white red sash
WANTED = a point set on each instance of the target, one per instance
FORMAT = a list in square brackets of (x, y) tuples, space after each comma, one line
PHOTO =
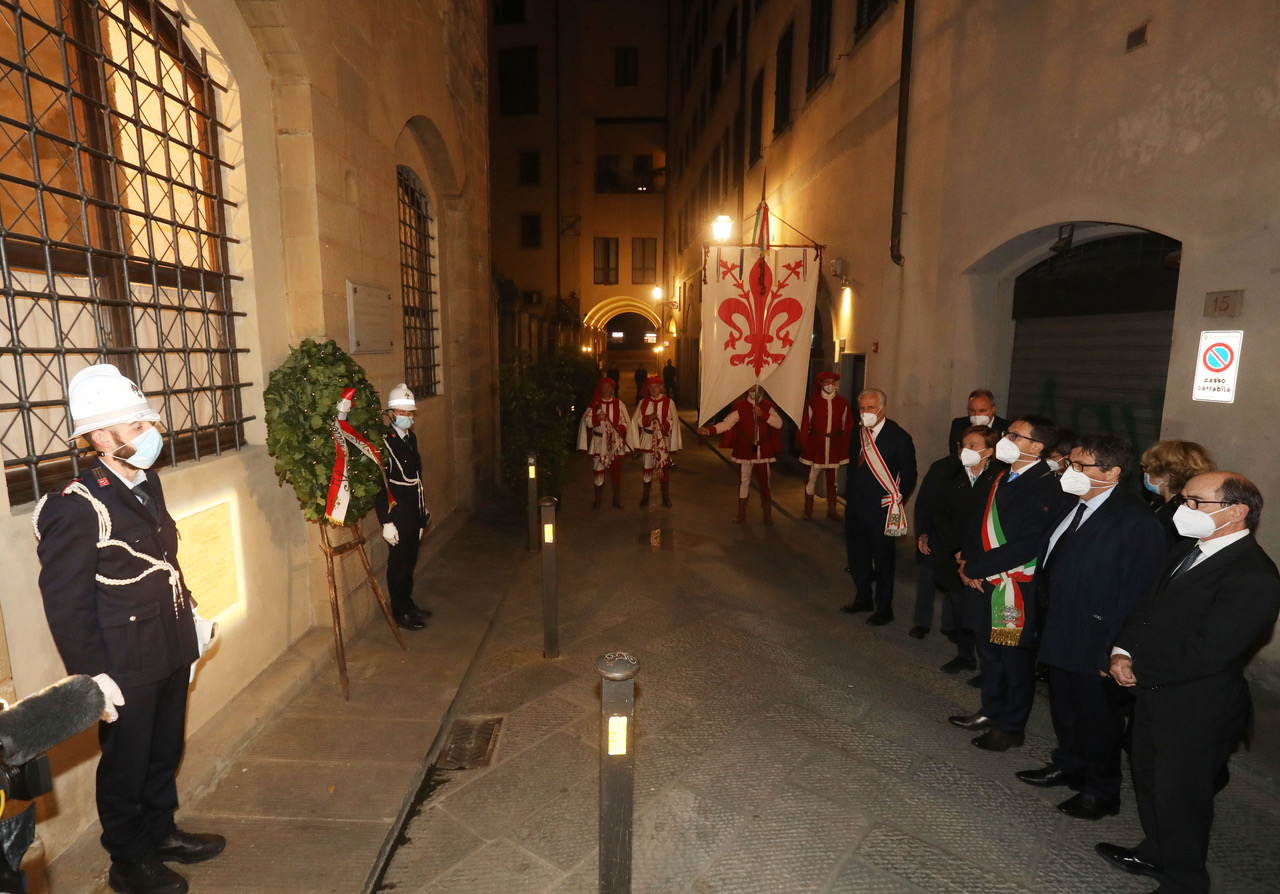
[(1008, 612), (335, 509), (895, 521)]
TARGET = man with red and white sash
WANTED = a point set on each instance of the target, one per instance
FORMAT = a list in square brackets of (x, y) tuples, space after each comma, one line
[(655, 432), (603, 434), (1001, 540), (825, 429), (752, 430), (881, 477)]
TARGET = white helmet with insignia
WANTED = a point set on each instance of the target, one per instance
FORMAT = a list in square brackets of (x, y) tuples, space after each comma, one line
[(401, 398), (100, 396)]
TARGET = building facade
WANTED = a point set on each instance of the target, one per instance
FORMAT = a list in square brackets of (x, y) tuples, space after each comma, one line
[(578, 166), (1048, 200), (190, 188)]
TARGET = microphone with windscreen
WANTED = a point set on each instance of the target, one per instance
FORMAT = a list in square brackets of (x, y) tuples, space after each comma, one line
[(37, 723)]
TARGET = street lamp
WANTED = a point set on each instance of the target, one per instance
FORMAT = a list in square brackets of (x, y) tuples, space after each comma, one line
[(722, 228)]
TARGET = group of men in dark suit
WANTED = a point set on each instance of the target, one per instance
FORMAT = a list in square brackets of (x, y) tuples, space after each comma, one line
[(1066, 564)]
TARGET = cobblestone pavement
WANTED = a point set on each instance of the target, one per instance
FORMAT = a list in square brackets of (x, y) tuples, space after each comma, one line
[(781, 746)]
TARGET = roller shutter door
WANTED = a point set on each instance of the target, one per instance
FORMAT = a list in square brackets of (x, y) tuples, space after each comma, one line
[(1101, 372)]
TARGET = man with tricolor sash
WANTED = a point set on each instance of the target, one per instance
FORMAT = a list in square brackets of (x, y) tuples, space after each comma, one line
[(882, 474), (1001, 542)]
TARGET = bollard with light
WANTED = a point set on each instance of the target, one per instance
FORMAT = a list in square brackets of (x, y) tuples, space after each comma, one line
[(617, 768), (533, 502), (550, 604)]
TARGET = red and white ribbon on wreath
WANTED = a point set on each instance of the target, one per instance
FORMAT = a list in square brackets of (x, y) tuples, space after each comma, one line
[(335, 508)]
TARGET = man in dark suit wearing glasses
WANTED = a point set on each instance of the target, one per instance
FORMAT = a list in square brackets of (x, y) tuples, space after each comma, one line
[(1184, 650)]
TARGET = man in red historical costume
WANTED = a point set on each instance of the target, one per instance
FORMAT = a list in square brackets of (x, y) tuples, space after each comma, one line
[(603, 434), (825, 430), (655, 432), (752, 430)]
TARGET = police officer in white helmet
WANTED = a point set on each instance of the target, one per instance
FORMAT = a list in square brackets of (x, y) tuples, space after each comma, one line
[(121, 613), (404, 523)]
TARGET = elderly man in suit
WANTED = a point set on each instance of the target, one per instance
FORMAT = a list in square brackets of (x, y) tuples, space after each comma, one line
[(882, 475), (981, 410), (1102, 557), (1002, 540), (1184, 650)]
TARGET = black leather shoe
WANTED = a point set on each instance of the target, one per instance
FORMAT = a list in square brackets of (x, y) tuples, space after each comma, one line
[(145, 874), (998, 740), (971, 722), (1089, 806), (190, 847), (917, 632), (975, 682), (854, 607), (1126, 858), (421, 614), (1047, 777), (957, 664), (409, 621), (879, 620)]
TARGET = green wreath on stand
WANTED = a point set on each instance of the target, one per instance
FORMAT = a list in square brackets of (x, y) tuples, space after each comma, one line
[(301, 400)]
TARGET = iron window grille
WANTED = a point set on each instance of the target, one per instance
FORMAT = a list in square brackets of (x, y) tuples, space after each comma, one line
[(113, 246), (418, 286)]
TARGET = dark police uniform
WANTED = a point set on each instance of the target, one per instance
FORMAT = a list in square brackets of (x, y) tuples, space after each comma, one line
[(409, 515), (117, 605)]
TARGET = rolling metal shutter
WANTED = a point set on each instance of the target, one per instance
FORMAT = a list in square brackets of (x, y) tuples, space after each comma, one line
[(1103, 372)]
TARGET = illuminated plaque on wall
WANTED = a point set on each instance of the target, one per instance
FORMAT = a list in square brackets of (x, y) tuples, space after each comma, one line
[(207, 557)]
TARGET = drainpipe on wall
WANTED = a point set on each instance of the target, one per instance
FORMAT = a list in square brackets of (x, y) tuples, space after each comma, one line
[(900, 161)]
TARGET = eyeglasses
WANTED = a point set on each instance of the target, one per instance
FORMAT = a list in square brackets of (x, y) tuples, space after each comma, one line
[(1014, 436), (1196, 502), (1080, 467)]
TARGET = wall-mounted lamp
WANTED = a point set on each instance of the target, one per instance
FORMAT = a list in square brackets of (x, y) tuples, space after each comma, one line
[(1066, 233), (840, 269), (657, 293), (722, 228)]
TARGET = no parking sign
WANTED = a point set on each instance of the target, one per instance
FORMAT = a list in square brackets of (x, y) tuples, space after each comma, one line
[(1217, 362)]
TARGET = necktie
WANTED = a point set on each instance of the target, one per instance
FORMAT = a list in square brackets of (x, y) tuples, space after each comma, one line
[(1186, 562), (1075, 522)]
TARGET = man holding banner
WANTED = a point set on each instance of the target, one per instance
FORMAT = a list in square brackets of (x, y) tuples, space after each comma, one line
[(882, 475)]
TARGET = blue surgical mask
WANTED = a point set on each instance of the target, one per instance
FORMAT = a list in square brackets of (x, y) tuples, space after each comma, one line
[(1146, 481), (404, 423), (146, 448)]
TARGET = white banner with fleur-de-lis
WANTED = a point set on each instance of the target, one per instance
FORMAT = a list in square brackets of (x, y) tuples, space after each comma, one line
[(757, 325)]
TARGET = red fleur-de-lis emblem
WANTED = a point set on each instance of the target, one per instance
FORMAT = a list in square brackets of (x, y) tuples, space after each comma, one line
[(766, 313)]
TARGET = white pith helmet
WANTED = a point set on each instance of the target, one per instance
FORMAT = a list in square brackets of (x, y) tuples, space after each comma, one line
[(100, 396), (401, 398)]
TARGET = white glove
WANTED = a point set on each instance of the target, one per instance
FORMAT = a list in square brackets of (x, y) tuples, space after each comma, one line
[(206, 633), (390, 534), (114, 697)]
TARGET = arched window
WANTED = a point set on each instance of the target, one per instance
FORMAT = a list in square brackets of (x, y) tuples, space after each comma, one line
[(418, 286), (112, 239)]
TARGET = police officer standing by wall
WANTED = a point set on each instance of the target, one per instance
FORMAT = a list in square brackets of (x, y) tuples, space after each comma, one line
[(404, 523), (120, 612)]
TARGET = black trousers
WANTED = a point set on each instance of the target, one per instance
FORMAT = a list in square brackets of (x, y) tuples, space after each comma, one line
[(401, 560), (137, 776), (1182, 738), (1008, 682), (1088, 712), (871, 557)]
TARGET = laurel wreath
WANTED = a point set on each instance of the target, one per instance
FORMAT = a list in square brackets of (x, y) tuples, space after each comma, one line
[(301, 400)]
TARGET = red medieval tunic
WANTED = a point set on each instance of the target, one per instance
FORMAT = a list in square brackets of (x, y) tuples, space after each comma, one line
[(753, 439), (825, 430)]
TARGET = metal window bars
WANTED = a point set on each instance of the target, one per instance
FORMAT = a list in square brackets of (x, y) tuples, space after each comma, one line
[(113, 246), (418, 286)]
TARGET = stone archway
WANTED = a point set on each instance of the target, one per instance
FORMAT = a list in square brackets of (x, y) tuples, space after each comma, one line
[(599, 314)]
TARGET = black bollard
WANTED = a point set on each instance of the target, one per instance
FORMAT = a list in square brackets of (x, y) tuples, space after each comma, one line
[(533, 502), (550, 603), (617, 769)]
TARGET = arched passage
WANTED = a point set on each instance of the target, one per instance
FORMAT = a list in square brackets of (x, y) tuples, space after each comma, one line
[(602, 313)]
